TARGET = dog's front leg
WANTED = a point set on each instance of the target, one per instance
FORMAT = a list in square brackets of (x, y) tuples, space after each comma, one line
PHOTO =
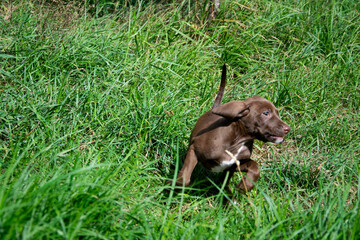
[(252, 175)]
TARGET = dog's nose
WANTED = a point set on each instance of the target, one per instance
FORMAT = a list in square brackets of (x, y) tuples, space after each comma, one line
[(286, 129)]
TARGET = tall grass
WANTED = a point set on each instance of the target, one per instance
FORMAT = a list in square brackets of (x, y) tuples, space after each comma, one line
[(98, 101)]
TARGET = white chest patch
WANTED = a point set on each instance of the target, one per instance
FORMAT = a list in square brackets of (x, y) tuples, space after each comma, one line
[(228, 162), (239, 150), (223, 166)]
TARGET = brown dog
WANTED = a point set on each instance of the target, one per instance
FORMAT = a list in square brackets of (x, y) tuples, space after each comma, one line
[(233, 127)]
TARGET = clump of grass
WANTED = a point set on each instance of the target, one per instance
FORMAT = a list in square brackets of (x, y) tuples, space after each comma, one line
[(98, 101)]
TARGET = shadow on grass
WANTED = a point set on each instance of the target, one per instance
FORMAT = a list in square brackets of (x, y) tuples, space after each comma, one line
[(203, 182)]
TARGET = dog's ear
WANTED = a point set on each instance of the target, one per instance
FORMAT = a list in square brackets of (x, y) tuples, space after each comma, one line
[(232, 110)]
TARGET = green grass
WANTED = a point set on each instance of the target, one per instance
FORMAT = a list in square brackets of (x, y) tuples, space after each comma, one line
[(98, 101)]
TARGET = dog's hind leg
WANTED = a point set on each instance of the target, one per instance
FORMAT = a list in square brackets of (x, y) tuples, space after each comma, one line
[(188, 167)]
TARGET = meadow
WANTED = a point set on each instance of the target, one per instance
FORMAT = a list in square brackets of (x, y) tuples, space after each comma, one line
[(98, 100)]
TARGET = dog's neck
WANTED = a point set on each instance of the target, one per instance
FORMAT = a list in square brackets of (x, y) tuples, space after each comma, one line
[(241, 132)]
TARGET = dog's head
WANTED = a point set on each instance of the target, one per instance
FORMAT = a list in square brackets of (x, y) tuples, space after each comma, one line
[(260, 117), (263, 121)]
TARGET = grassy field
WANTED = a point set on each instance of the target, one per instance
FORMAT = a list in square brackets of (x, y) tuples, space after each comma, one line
[(98, 102)]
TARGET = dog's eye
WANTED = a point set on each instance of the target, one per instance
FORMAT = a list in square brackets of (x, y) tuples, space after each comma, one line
[(266, 113)]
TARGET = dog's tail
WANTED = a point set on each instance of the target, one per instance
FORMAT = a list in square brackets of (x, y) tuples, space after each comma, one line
[(221, 89)]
